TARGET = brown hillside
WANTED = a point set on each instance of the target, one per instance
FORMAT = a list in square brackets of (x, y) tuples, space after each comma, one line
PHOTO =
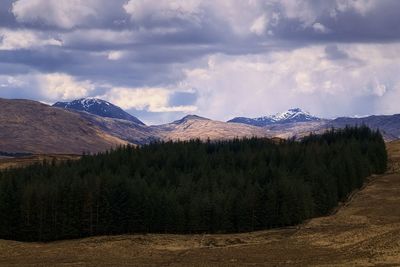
[(193, 127), (29, 126)]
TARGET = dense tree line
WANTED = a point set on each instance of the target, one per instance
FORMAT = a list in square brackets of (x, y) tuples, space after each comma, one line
[(188, 187)]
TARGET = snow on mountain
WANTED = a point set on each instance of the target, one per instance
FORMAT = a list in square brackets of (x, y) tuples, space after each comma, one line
[(98, 107), (289, 116)]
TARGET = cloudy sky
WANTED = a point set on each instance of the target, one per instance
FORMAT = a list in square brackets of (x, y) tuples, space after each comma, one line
[(162, 59)]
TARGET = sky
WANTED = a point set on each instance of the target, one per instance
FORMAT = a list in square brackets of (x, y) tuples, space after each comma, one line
[(163, 59)]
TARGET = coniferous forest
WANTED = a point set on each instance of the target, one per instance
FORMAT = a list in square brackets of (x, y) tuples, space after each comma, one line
[(188, 187)]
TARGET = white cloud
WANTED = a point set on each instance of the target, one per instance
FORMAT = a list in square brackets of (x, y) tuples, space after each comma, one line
[(185, 109), (305, 11), (22, 39), (242, 17), (360, 6), (7, 81), (139, 98), (389, 103), (259, 25), (303, 82), (115, 55), (320, 28), (59, 86), (46, 88), (150, 99), (255, 85), (140, 10)]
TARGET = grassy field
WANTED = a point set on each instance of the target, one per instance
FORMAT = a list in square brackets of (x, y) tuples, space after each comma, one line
[(364, 231), (8, 162)]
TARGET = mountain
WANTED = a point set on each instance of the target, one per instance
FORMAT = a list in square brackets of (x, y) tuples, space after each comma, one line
[(98, 107), (290, 116), (189, 118), (128, 131), (193, 127), (389, 125), (32, 127)]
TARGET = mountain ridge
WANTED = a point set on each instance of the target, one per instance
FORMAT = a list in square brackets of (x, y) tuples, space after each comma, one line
[(290, 116), (33, 127), (98, 107)]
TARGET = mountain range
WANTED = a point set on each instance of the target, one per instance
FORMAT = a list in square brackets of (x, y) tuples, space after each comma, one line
[(94, 125), (290, 116)]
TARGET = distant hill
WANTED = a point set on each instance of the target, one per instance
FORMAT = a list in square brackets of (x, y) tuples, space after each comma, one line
[(98, 107), (389, 125), (193, 126), (31, 127), (290, 116)]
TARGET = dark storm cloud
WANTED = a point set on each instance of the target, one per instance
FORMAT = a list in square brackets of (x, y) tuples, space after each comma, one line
[(44, 15), (48, 60), (13, 68), (355, 23), (7, 19), (211, 33)]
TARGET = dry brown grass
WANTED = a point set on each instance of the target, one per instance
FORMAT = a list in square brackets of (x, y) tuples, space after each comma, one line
[(393, 149), (29, 126), (29, 160), (209, 129), (364, 232)]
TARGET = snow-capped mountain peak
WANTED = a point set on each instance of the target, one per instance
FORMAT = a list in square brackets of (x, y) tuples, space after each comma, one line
[(98, 107), (90, 101), (290, 116)]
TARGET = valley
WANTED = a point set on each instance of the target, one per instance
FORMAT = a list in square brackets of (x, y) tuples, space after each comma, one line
[(199, 133)]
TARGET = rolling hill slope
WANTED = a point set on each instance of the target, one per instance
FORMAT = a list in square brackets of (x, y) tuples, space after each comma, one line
[(29, 126), (193, 127)]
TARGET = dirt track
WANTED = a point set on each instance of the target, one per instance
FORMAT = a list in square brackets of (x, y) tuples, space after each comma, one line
[(364, 232)]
